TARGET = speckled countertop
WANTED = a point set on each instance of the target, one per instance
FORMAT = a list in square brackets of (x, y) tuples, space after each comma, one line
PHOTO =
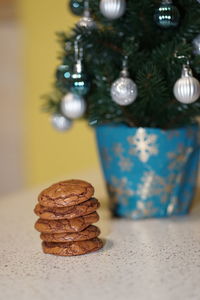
[(143, 260)]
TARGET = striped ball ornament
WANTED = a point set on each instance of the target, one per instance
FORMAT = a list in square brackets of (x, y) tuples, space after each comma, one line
[(187, 88), (112, 9)]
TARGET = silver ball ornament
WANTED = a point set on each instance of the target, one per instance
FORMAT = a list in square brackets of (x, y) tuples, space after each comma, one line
[(196, 45), (112, 9), (187, 88), (73, 106), (124, 91), (60, 123)]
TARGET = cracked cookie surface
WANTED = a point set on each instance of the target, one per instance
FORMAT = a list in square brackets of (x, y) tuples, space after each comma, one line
[(72, 225), (72, 248), (89, 233), (68, 212), (66, 193)]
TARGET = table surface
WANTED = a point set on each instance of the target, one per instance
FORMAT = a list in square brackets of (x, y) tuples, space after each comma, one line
[(149, 259)]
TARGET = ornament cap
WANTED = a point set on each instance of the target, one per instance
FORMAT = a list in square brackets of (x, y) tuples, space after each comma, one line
[(125, 73), (166, 1), (186, 71)]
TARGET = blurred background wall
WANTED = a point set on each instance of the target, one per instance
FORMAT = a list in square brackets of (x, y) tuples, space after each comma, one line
[(12, 162), (32, 151)]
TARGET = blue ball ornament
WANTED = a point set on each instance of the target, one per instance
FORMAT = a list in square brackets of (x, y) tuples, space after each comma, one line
[(77, 7)]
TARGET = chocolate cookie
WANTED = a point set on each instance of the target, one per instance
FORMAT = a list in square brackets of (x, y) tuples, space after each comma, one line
[(72, 248), (89, 233), (60, 226), (68, 212), (66, 193)]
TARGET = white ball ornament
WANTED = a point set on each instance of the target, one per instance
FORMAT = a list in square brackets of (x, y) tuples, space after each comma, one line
[(60, 123), (112, 9), (73, 106), (187, 88)]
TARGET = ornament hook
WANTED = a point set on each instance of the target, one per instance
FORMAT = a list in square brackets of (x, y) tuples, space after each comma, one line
[(124, 72), (86, 12), (78, 52)]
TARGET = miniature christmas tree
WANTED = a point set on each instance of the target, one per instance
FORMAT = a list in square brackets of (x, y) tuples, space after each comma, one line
[(155, 41)]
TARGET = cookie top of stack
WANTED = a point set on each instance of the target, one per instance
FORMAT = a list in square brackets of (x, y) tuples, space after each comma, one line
[(66, 193)]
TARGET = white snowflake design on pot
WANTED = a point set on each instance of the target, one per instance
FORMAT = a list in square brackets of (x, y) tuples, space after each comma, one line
[(118, 189), (155, 185), (179, 158), (172, 206), (144, 210), (125, 163), (144, 145)]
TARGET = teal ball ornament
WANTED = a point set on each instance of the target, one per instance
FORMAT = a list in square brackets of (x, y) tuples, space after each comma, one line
[(77, 7), (167, 15), (63, 76), (79, 84)]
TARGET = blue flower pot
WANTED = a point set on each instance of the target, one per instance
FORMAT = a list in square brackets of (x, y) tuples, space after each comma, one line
[(149, 172)]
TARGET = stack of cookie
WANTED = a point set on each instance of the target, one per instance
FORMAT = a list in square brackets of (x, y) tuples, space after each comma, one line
[(67, 211)]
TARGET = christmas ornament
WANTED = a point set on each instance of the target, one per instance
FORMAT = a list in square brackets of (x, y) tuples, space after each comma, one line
[(124, 90), (77, 7), (60, 123), (167, 15), (68, 46), (87, 21), (63, 75), (196, 45), (187, 88), (112, 9), (79, 83), (73, 106)]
